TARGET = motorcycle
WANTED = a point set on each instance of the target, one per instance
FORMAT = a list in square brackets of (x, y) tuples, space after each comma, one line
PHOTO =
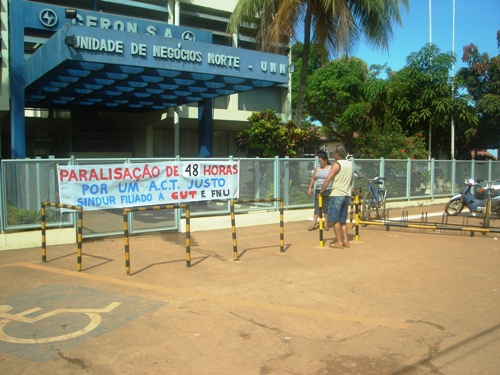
[(475, 195)]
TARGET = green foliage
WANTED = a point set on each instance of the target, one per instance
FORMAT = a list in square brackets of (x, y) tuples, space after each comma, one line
[(482, 80), (337, 26), (335, 97), (361, 110), (19, 216), (421, 96), (268, 137), (425, 176), (335, 86), (421, 91), (390, 145), (318, 56), (296, 196)]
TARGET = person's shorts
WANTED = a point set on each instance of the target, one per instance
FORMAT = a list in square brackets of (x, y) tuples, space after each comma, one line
[(338, 209)]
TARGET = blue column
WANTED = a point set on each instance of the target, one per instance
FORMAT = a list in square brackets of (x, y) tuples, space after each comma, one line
[(205, 127), (16, 45)]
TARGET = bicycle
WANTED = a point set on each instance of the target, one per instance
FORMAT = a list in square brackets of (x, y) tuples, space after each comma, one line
[(374, 199)]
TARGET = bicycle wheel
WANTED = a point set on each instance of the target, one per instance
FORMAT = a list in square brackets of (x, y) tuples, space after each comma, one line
[(380, 210), (487, 213), (365, 212), (453, 208)]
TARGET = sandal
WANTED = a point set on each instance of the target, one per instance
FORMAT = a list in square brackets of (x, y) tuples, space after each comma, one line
[(337, 245), (312, 228), (345, 244)]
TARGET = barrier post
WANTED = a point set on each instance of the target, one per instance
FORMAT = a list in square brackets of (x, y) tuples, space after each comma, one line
[(233, 230), (356, 221), (282, 227), (430, 226), (188, 236), (233, 222), (44, 241), (320, 203), (79, 239), (126, 233), (126, 240)]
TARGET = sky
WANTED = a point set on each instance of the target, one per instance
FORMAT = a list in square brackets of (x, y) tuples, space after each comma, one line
[(476, 21)]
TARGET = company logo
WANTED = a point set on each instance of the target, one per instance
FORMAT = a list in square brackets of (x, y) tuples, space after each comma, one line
[(48, 18), (188, 35)]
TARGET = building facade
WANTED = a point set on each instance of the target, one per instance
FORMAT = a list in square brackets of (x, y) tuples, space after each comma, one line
[(149, 78)]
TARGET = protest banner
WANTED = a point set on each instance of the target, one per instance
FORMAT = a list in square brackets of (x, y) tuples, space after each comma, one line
[(98, 187)]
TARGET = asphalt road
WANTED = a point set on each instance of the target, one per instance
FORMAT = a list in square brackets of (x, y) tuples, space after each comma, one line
[(398, 301)]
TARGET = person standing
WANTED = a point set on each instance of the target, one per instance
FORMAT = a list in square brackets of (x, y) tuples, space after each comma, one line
[(319, 175), (340, 178)]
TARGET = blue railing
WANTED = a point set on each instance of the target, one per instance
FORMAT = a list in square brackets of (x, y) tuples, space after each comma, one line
[(25, 184)]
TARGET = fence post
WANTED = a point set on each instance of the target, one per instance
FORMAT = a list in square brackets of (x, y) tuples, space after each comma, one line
[(256, 177), (432, 178), (286, 179), (408, 178), (453, 175)]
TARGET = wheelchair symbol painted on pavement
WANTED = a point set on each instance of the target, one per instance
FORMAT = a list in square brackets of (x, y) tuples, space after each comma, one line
[(92, 314)]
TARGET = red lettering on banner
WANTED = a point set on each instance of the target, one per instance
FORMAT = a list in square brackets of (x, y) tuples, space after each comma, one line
[(102, 176), (127, 174), (183, 194), (137, 173), (118, 173), (72, 176), (172, 171), (214, 170), (93, 175), (63, 174), (83, 175)]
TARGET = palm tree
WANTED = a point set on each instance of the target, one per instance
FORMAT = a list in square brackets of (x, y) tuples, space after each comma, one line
[(336, 24)]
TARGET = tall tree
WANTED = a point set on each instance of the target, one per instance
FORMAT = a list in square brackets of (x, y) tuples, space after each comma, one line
[(481, 78), (318, 57), (421, 98), (337, 24), (351, 103), (335, 97)]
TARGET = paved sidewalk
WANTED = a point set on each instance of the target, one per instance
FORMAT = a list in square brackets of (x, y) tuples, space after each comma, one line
[(403, 301)]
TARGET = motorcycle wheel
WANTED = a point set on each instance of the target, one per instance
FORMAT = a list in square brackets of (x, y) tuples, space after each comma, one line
[(453, 208), (496, 211)]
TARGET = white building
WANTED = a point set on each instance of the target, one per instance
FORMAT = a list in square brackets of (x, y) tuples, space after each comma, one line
[(78, 106)]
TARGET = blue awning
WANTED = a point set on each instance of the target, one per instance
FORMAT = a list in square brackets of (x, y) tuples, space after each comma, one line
[(113, 70)]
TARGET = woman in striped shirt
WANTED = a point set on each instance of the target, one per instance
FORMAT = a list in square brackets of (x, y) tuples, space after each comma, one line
[(319, 175)]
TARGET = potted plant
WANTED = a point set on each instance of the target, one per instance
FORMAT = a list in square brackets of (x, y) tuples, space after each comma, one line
[(425, 178), (440, 179)]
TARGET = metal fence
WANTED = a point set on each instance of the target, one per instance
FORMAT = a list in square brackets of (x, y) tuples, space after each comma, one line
[(27, 183)]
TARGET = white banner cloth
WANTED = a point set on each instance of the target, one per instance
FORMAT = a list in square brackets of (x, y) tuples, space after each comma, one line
[(99, 187)]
